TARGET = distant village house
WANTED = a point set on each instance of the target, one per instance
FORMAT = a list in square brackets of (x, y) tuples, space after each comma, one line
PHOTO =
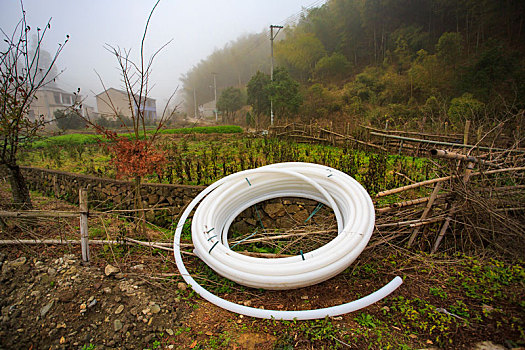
[(49, 99), (114, 100)]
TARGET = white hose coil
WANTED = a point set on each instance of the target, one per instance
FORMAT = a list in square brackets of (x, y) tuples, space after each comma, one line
[(224, 200)]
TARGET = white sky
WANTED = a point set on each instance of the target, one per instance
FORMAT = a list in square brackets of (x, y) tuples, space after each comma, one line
[(197, 28)]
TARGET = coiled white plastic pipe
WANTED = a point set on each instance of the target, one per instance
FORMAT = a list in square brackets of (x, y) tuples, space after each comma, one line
[(228, 197)]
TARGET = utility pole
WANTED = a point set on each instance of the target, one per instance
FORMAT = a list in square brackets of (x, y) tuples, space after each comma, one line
[(215, 89), (272, 36), (195, 103)]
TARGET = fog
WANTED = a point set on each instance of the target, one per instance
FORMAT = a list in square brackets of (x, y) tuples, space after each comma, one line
[(195, 28)]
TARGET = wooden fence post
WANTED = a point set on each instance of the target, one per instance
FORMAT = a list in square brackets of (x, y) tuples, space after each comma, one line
[(466, 132), (84, 236)]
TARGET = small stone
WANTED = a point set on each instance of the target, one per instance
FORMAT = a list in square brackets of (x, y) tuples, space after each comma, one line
[(45, 309), (274, 209), (182, 286), (90, 299), (107, 290), (247, 303), (139, 267), (66, 296), (111, 270), (119, 309), (119, 276), (170, 331), (117, 325), (92, 303), (155, 309), (18, 262), (487, 345), (304, 297)]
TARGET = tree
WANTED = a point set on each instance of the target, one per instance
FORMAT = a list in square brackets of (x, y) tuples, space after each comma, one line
[(68, 119), (299, 53), (332, 67), (449, 48), (258, 94), (465, 108), (135, 155), (230, 102), (22, 76), (284, 92)]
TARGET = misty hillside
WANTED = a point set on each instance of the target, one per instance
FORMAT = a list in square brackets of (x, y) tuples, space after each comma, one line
[(416, 63)]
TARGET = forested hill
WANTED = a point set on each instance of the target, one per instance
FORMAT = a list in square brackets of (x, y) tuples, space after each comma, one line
[(391, 59)]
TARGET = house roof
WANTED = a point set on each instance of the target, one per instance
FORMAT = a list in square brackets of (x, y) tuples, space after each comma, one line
[(120, 91)]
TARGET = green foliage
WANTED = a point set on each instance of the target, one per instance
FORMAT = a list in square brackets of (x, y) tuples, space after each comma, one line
[(85, 139), (495, 72), (258, 94), (366, 320), (299, 53), (69, 119), (335, 66), (449, 47), (465, 107), (284, 92), (319, 102), (230, 101)]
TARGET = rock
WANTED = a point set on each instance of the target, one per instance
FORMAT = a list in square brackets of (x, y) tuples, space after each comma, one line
[(139, 267), (487, 345), (107, 290), (181, 286), (111, 270), (292, 209), (45, 309), (274, 209), (126, 287), (18, 262), (119, 309), (117, 325), (119, 276), (170, 331), (66, 296), (251, 221), (92, 303), (300, 216), (247, 303), (155, 309)]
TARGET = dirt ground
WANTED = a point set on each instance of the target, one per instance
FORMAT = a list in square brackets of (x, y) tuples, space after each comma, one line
[(133, 298)]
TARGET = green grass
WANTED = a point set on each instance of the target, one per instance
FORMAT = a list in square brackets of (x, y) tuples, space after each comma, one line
[(84, 139)]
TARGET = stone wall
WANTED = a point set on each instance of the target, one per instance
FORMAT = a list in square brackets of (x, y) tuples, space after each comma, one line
[(106, 193)]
